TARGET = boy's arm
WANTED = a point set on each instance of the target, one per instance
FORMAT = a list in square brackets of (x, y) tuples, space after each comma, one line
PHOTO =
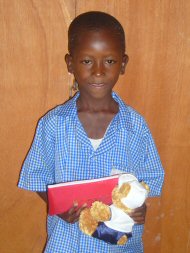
[(139, 214), (71, 216), (150, 170), (43, 195), (38, 168)]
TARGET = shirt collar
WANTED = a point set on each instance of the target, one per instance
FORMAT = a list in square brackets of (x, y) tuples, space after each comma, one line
[(123, 117)]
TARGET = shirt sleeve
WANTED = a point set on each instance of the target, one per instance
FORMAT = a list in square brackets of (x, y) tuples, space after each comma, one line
[(151, 170), (38, 168)]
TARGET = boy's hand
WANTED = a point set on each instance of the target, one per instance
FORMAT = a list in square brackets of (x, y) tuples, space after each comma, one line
[(139, 214), (73, 214)]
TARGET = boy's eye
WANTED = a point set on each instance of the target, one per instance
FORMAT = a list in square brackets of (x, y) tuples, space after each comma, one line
[(86, 62), (110, 61)]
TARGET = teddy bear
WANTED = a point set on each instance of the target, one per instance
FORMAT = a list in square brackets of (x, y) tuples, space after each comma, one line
[(113, 224)]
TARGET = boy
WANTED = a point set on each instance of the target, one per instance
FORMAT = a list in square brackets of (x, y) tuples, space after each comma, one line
[(92, 135)]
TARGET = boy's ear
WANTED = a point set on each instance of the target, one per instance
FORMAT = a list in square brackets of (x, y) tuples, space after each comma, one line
[(68, 60), (124, 63)]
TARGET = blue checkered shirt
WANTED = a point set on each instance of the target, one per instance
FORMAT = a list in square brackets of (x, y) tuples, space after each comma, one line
[(61, 151)]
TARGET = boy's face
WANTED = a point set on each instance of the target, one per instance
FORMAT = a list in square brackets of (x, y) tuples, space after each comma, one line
[(96, 62)]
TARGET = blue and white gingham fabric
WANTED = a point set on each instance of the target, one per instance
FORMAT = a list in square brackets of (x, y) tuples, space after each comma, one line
[(62, 152)]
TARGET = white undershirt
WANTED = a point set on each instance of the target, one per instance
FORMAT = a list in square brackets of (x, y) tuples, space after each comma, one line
[(95, 142)]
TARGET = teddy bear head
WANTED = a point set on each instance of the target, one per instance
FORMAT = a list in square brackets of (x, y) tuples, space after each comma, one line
[(130, 193)]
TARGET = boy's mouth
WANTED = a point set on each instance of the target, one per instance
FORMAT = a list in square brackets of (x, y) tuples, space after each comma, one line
[(97, 85)]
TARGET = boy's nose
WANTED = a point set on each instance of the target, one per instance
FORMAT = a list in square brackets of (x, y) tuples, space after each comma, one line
[(98, 69)]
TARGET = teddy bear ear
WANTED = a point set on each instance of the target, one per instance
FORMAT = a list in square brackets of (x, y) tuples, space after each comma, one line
[(124, 189)]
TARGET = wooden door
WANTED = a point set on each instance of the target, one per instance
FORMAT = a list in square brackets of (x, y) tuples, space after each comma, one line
[(33, 79)]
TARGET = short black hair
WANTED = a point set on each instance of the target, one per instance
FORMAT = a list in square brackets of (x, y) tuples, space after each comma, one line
[(94, 20)]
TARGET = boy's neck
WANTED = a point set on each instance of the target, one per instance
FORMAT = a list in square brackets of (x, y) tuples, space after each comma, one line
[(90, 104)]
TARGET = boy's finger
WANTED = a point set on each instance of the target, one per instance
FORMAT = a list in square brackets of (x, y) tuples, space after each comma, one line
[(137, 216), (138, 211), (73, 209), (80, 209), (141, 208), (139, 220)]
